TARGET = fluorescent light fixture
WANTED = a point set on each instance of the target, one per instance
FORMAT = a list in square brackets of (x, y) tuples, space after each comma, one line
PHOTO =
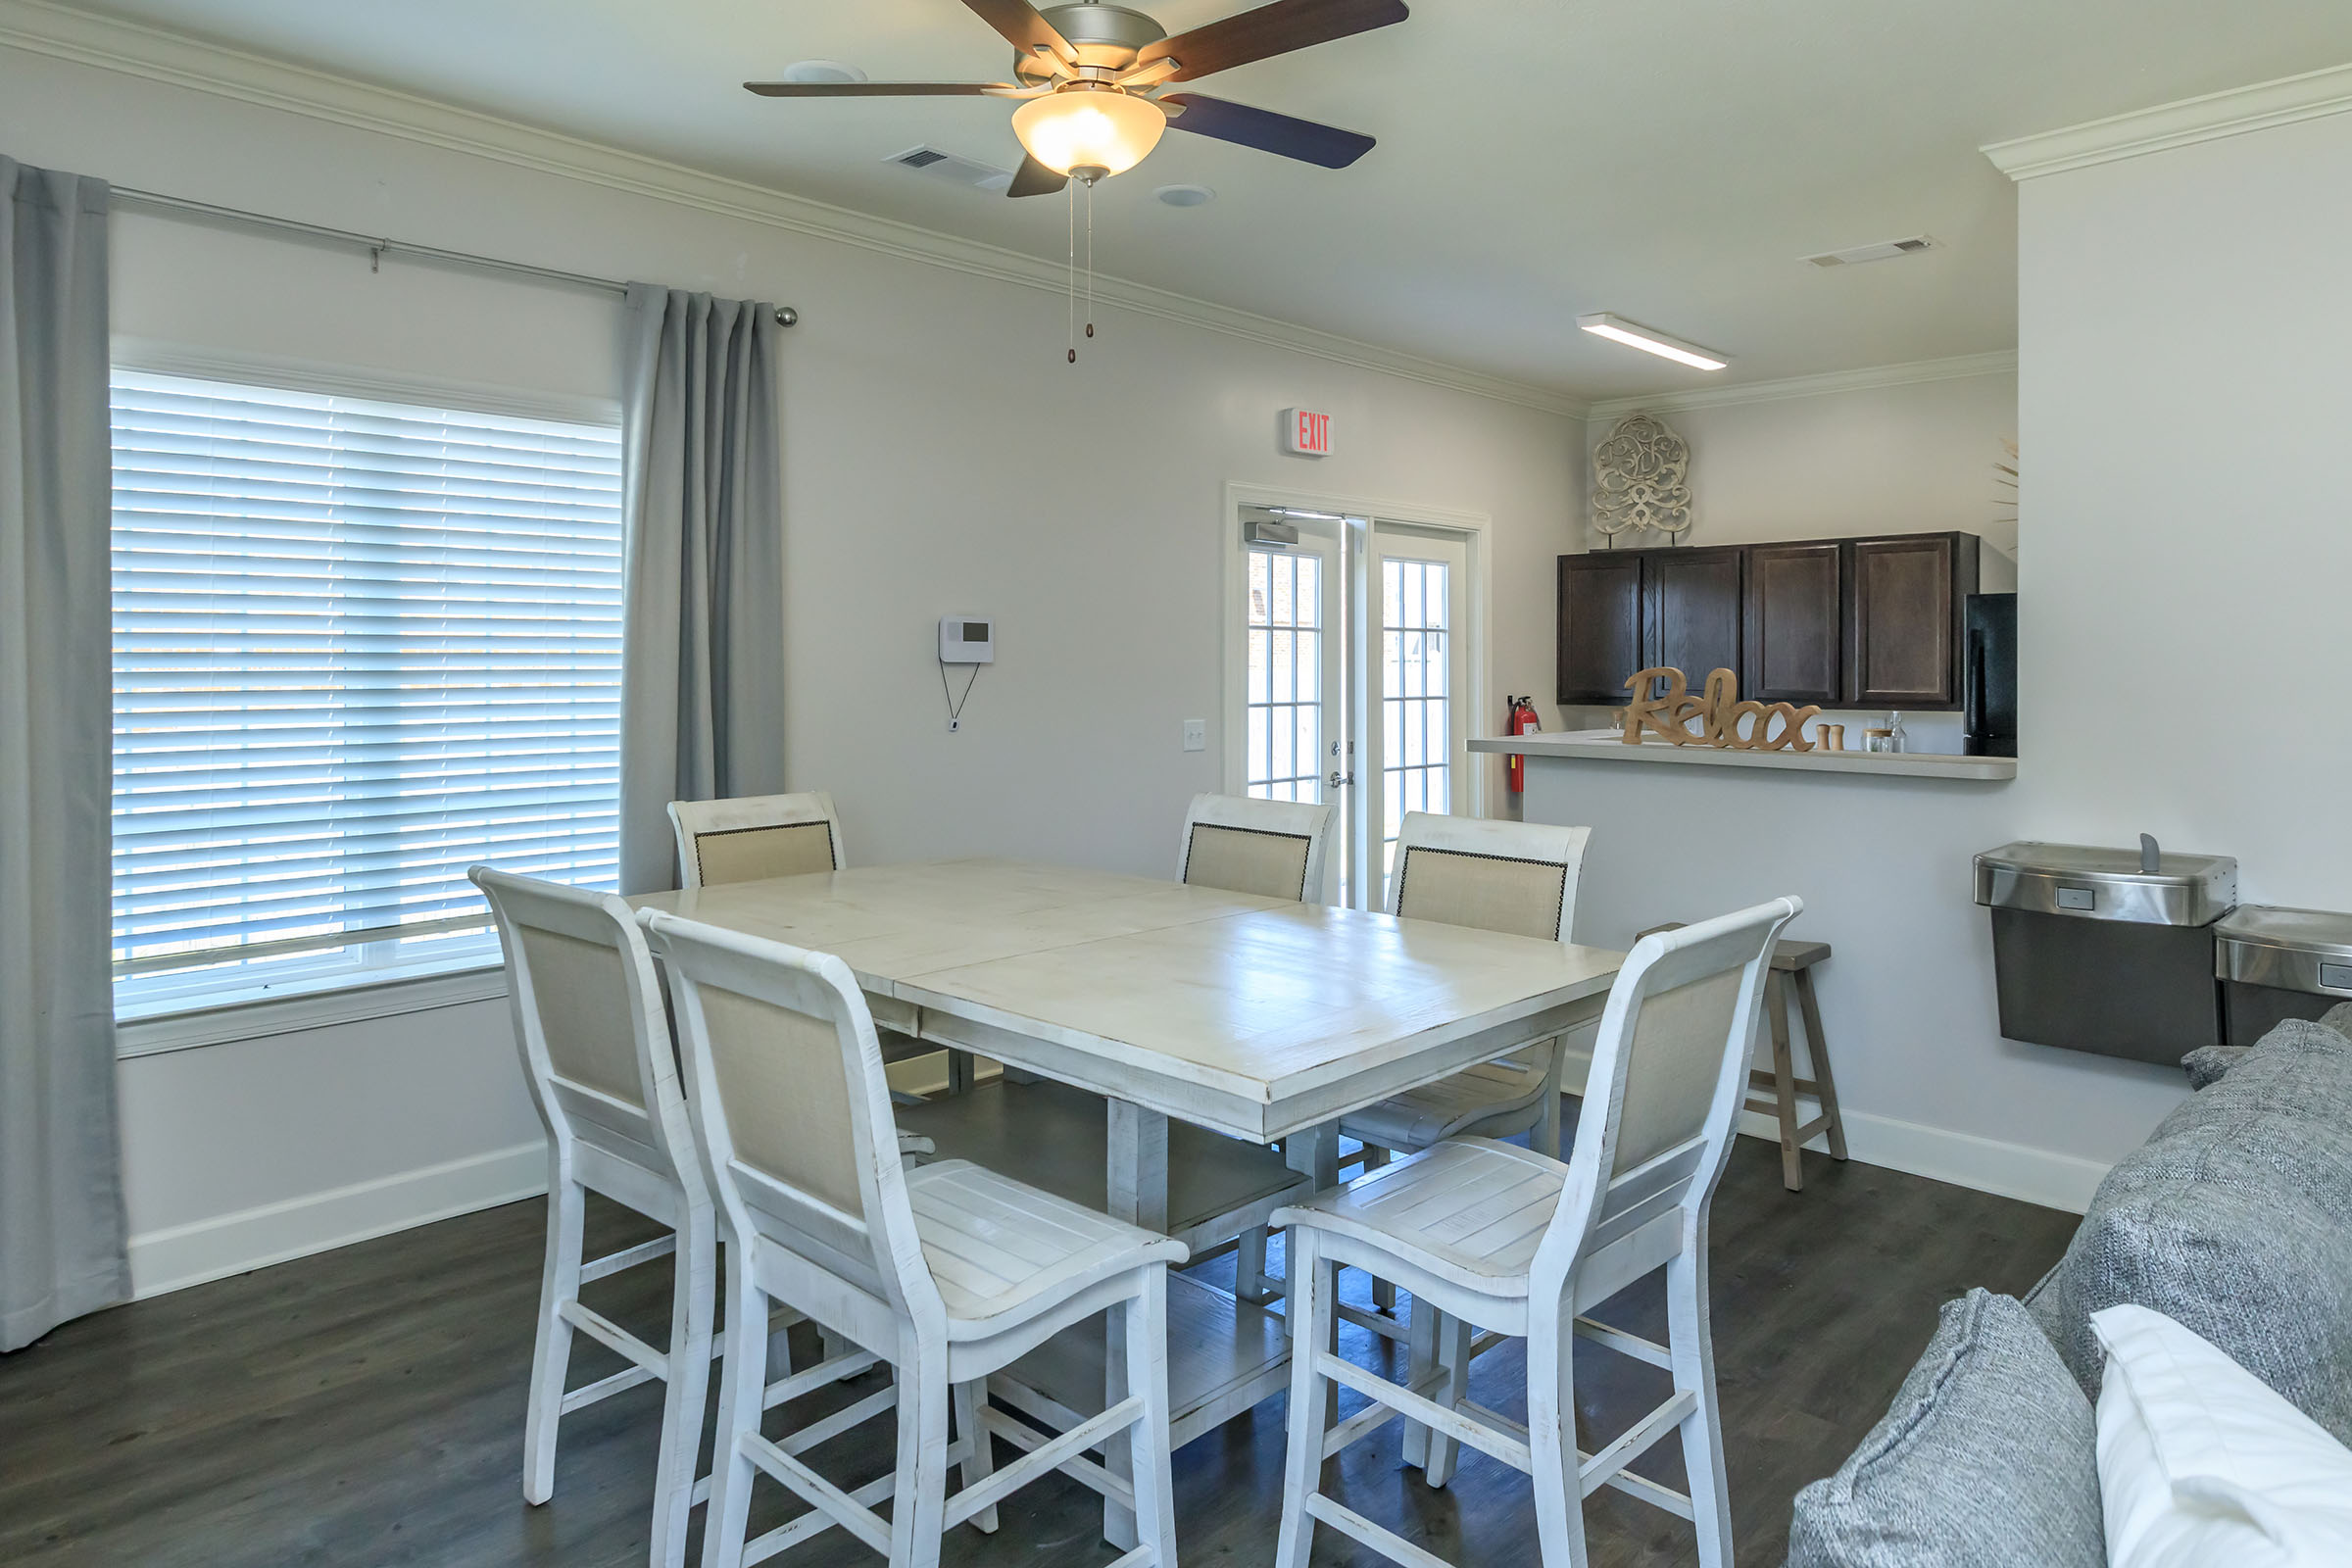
[(1617, 329)]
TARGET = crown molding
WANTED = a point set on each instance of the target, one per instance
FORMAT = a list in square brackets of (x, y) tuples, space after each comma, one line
[(2311, 96), (156, 54), (2001, 361)]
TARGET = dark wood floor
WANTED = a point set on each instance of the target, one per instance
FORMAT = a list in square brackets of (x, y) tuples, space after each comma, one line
[(363, 1408)]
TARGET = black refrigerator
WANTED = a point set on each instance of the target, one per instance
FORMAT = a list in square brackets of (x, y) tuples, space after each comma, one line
[(1988, 705)]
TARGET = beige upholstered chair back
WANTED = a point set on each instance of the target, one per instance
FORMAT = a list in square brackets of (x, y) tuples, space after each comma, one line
[(785, 1082), (1273, 849), (589, 1016), (755, 836), (1515, 877), (1668, 1075)]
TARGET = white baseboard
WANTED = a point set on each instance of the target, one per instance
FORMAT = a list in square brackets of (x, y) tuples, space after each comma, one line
[(181, 1255), (207, 1250), (2005, 1170)]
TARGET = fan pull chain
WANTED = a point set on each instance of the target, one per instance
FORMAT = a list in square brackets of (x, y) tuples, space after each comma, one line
[(1090, 258), (1073, 194)]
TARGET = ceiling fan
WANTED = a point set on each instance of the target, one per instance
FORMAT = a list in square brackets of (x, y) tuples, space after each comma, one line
[(1093, 81)]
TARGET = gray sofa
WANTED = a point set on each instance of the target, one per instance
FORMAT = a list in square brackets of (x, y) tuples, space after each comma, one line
[(2235, 1218)]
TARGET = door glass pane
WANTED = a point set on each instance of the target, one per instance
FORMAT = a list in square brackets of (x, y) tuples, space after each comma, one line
[(1417, 768), (1286, 721)]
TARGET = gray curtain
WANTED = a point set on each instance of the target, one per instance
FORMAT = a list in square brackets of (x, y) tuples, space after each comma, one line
[(702, 708), (61, 1188)]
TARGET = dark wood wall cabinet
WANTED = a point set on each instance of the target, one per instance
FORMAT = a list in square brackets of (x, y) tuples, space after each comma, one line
[(1835, 622)]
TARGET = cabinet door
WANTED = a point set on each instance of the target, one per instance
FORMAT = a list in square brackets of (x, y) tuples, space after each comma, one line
[(1793, 638), (1903, 638), (1691, 610), (1600, 626)]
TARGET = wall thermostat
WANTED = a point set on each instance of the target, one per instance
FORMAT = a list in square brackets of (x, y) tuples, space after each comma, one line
[(967, 640)]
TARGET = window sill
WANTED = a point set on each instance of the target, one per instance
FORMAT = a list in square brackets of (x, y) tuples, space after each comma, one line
[(285, 1015)]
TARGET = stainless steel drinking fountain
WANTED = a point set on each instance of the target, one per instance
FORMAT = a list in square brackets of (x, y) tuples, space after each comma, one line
[(2107, 950)]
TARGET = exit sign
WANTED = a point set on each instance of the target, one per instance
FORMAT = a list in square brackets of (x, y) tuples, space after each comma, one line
[(1306, 433)]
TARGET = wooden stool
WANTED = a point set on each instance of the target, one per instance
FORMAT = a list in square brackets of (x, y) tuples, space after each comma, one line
[(1792, 968)]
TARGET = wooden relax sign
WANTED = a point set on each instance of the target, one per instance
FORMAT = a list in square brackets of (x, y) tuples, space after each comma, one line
[(1775, 728)]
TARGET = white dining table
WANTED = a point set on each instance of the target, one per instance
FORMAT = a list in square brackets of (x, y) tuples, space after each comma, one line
[(1260, 1018)]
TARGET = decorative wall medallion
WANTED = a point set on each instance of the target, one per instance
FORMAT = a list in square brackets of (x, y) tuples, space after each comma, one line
[(1641, 478)]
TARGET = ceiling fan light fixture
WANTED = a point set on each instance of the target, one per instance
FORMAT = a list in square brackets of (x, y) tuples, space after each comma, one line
[(1634, 335), (1089, 128)]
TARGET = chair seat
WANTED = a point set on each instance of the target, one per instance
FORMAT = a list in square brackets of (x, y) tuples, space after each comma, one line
[(1435, 1112), (1001, 1252), (1471, 1210)]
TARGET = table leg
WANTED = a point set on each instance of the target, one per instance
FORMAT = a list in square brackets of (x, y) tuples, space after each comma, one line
[(1315, 1151), (1138, 1191)]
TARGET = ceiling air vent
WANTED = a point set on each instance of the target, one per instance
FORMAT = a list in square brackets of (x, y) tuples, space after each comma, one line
[(953, 168), (1884, 251)]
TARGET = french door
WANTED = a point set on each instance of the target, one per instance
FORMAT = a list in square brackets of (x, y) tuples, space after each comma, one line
[(1357, 659)]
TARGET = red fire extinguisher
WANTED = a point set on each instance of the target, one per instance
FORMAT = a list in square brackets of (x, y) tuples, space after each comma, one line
[(1523, 721)]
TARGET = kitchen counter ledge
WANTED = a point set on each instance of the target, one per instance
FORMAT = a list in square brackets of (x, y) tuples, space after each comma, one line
[(1606, 746)]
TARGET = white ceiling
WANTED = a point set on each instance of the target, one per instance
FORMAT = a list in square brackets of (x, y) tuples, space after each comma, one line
[(1667, 160)]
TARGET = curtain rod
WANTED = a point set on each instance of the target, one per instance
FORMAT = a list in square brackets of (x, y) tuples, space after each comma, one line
[(377, 248)]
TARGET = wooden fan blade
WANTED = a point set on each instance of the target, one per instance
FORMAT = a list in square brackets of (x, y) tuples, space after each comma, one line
[(1034, 178), (880, 90), (1274, 29), (1284, 135), (1024, 28)]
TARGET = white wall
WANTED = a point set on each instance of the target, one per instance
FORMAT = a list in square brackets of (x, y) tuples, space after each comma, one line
[(940, 456), (1909, 456), (1925, 1080), (2188, 510), (2182, 581)]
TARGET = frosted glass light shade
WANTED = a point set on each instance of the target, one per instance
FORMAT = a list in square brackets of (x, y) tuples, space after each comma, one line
[(1098, 129)]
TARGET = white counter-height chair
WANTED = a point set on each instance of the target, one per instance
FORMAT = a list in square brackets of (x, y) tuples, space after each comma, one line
[(1513, 877), (1274, 849), (757, 836), (597, 1054), (947, 1273), (1493, 1235)]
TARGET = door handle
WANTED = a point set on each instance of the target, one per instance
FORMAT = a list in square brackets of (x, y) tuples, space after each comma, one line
[(1336, 781)]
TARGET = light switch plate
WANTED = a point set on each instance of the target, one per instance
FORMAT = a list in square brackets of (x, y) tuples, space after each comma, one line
[(1196, 734)]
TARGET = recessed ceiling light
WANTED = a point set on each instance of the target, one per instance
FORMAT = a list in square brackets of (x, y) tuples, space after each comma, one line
[(1634, 335), (820, 71), (1186, 195)]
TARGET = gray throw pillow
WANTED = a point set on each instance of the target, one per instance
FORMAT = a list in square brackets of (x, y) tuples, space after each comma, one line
[(2235, 1220), (1987, 1458), (2210, 1065)]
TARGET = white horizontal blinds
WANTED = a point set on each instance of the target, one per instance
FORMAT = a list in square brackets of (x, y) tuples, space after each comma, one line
[(359, 646)]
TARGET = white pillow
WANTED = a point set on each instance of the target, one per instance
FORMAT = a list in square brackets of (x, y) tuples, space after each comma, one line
[(2202, 1465)]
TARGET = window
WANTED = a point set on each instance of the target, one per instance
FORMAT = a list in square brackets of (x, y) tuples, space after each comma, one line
[(1284, 720), (1416, 756), (359, 646)]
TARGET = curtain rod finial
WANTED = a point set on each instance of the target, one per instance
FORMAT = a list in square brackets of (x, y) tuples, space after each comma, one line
[(786, 315)]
